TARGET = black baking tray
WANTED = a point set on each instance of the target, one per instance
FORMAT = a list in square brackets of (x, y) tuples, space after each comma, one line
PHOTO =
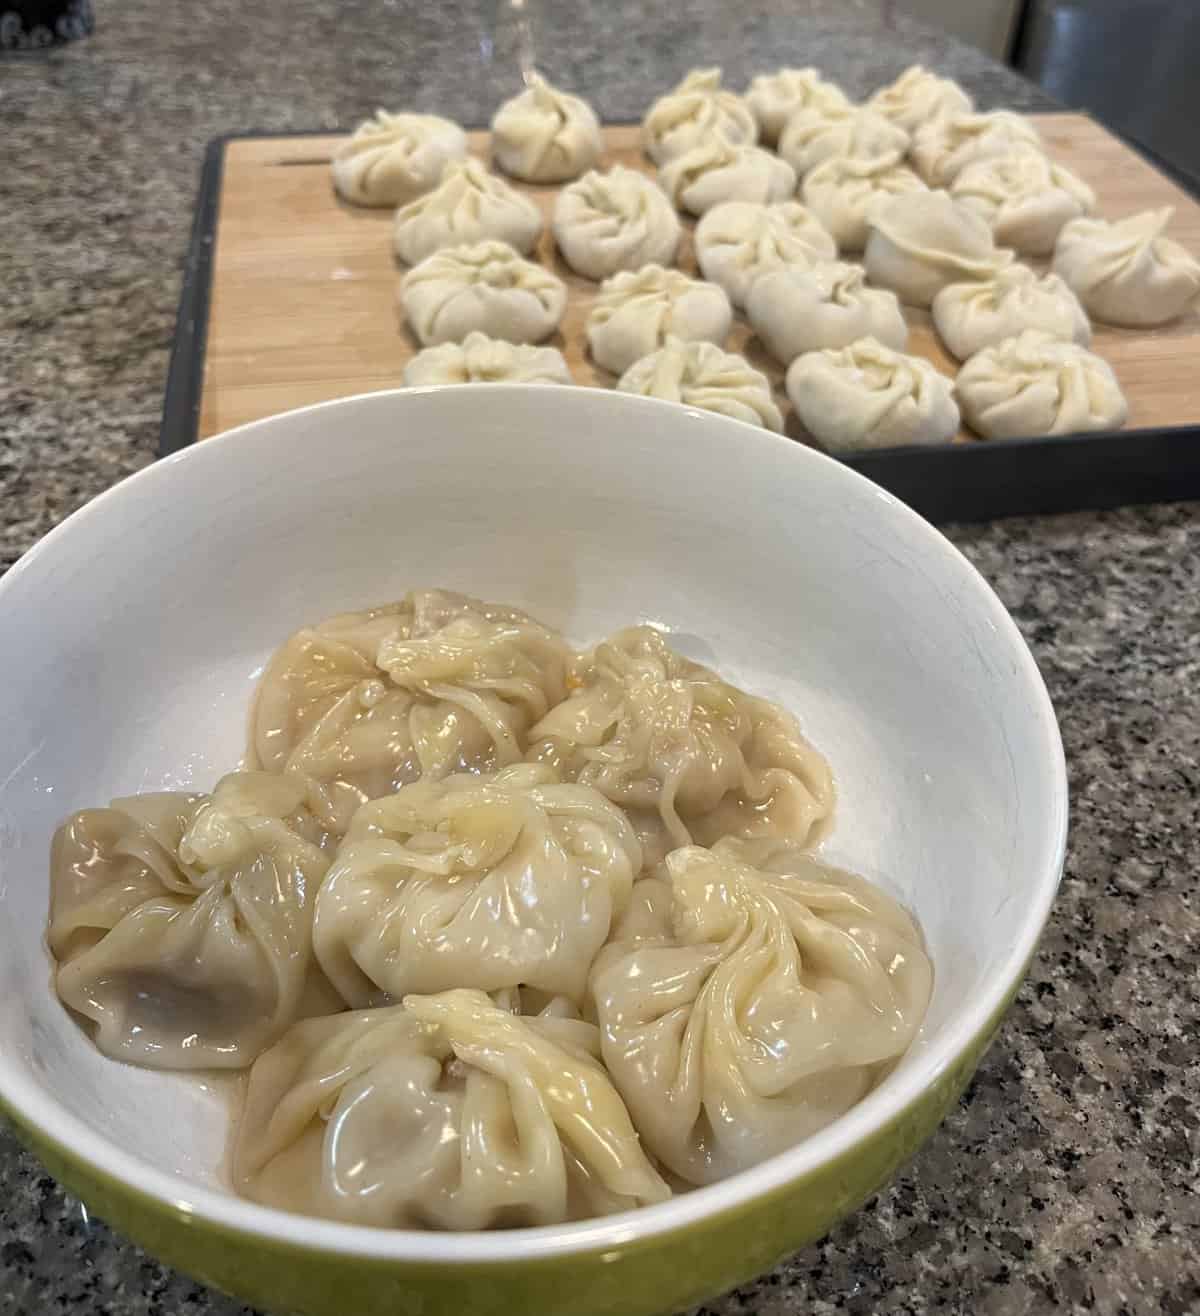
[(960, 482)]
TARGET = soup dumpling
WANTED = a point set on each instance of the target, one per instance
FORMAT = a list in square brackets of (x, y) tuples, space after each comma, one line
[(1024, 197), (774, 98), (479, 359), (717, 170), (613, 221), (981, 312), (544, 135), (739, 240), (393, 158), (694, 112)]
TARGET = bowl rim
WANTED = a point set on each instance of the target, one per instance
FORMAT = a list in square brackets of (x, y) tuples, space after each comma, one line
[(26, 1104)]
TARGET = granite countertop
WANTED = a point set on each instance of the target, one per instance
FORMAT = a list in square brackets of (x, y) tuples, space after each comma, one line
[(1066, 1180)]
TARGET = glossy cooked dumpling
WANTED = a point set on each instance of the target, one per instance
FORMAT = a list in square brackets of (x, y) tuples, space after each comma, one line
[(943, 147), (486, 287), (977, 314), (739, 240), (182, 924), (774, 98), (447, 1112), (844, 191), (688, 756), (1128, 272), (919, 243), (784, 989), (498, 881), (635, 312), (468, 205), (544, 135), (813, 136), (717, 170), (867, 396), (440, 683), (696, 111), (479, 359), (700, 374), (613, 221), (918, 96), (1024, 197), (394, 157), (1034, 385), (795, 310)]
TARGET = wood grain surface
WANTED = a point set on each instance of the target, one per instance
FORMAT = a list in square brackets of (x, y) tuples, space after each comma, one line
[(304, 286)]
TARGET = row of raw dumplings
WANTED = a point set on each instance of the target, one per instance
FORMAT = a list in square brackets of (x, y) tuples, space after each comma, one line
[(661, 332), (506, 934)]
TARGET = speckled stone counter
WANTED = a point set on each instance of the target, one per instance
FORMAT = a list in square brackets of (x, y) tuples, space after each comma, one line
[(1066, 1180)]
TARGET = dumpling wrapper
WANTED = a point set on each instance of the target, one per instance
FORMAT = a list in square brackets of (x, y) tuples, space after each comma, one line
[(479, 359), (918, 96), (980, 313), (698, 110), (544, 135), (844, 192), (942, 148), (1024, 197), (813, 136), (393, 158), (739, 240), (774, 98), (717, 170), (619, 220)]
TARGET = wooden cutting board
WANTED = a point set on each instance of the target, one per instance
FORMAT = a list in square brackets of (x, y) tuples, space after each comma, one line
[(303, 295)]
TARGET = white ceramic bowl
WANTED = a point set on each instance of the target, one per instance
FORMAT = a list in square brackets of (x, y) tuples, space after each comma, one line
[(129, 643)]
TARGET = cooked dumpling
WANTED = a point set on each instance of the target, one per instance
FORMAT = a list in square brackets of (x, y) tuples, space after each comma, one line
[(1024, 197), (703, 375), (1128, 272), (468, 205), (717, 170), (774, 98), (1034, 385), (786, 987), (487, 287), (181, 924), (695, 111), (394, 157), (635, 312), (867, 396), (977, 314), (739, 240), (498, 881), (544, 135), (814, 136), (844, 191), (614, 221), (688, 756), (797, 310), (919, 243), (445, 1113), (918, 96), (479, 359), (440, 683), (943, 147)]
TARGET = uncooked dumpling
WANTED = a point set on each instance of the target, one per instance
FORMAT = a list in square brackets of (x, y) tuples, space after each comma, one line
[(486, 287), (1024, 197), (942, 147), (979, 313), (867, 396), (796, 310), (393, 158), (717, 170), (739, 240), (1033, 385), (479, 359), (544, 135), (766, 1015), (696, 111), (844, 191), (920, 242), (614, 221), (918, 96), (1128, 272), (447, 1112), (774, 98), (635, 312), (468, 205), (812, 137), (494, 881)]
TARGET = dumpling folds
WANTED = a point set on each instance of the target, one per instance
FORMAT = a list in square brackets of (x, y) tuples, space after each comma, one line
[(436, 684), (1024, 197), (394, 157), (468, 205), (479, 359), (688, 756), (181, 924), (980, 313), (717, 170), (696, 111), (845, 191), (775, 98), (617, 220), (445, 1113), (814, 136), (918, 96), (785, 988), (943, 147), (739, 240), (495, 882), (544, 135), (703, 375)]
